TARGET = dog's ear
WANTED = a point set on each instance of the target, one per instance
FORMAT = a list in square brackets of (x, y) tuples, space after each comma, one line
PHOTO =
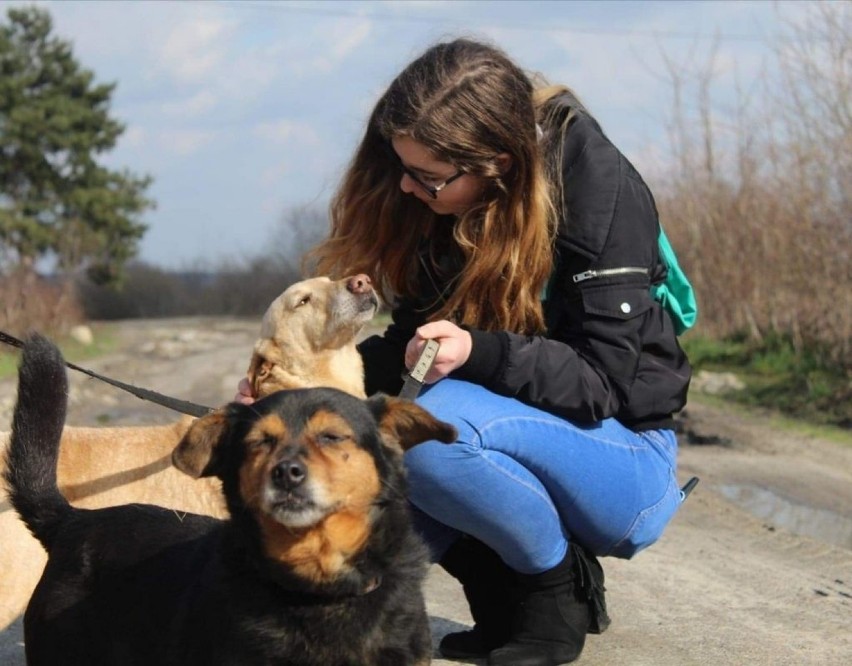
[(258, 371), (196, 453), (404, 423)]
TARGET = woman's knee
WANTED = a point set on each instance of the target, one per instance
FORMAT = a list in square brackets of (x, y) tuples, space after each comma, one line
[(428, 455), (428, 465)]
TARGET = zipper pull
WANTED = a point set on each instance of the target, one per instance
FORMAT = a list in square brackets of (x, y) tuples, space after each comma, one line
[(585, 275)]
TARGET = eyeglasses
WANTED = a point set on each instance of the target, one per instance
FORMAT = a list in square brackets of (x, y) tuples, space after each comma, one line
[(431, 189)]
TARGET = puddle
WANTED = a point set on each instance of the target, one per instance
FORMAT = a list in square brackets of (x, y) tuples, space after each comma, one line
[(821, 524)]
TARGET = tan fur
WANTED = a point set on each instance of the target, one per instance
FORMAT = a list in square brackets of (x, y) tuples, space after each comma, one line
[(319, 553), (307, 339)]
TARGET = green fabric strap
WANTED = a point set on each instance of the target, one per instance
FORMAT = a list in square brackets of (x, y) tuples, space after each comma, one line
[(675, 294)]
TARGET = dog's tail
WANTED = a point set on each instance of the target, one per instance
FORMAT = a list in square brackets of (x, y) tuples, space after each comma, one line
[(34, 447)]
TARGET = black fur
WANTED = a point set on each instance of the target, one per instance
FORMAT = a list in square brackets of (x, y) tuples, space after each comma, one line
[(139, 584), (36, 428)]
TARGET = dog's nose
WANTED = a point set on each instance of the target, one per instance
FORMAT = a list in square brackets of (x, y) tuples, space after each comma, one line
[(288, 474), (359, 284)]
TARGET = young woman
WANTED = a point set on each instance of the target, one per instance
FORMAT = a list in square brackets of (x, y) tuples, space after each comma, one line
[(500, 221)]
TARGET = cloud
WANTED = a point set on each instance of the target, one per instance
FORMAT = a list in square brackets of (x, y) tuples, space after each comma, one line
[(273, 175), (286, 131), (346, 38), (133, 137), (194, 105), (332, 42), (183, 142), (195, 47)]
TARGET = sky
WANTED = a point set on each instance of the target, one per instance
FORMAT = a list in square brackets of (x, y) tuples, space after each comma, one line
[(243, 111)]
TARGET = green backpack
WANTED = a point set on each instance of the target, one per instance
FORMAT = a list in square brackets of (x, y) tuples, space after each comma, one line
[(675, 294)]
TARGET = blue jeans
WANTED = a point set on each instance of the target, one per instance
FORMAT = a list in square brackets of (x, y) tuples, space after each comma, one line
[(525, 482)]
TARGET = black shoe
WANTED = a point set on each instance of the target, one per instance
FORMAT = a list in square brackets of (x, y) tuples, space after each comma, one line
[(558, 608), (490, 588), (469, 644)]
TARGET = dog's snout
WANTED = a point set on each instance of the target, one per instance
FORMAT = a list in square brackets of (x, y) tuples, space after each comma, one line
[(359, 284), (289, 474)]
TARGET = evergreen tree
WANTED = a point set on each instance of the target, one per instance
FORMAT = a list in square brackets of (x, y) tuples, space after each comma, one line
[(56, 200)]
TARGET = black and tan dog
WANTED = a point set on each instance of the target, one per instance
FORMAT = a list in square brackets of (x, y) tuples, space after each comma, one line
[(317, 565)]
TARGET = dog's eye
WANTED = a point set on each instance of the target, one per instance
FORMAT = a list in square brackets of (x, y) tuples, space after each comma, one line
[(304, 301), (266, 442), (328, 437)]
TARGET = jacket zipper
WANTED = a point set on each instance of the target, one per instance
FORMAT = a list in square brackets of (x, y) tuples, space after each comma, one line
[(604, 272)]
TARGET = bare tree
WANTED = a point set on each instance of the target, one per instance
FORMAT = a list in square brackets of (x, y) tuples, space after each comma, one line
[(299, 229)]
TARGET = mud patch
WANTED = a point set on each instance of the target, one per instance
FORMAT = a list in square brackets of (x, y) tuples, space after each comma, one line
[(821, 524)]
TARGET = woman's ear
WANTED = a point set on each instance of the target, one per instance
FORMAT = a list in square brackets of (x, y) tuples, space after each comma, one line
[(504, 163)]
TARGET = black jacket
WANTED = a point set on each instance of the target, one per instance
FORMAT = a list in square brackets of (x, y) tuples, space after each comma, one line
[(610, 350)]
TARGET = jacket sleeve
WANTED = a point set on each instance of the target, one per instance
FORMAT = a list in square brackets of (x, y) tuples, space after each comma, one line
[(541, 372), (584, 367)]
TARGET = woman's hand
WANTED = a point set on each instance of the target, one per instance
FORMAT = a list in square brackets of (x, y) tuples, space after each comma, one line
[(455, 342), (244, 393)]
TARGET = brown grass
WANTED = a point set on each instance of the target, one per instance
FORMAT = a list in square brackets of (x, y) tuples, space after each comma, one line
[(758, 201)]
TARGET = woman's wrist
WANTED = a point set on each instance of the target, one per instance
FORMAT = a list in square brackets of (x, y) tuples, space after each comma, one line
[(485, 359)]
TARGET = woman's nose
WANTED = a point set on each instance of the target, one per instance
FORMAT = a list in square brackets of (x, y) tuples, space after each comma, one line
[(406, 183)]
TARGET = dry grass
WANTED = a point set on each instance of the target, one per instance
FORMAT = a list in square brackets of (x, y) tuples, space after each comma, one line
[(28, 302), (758, 200)]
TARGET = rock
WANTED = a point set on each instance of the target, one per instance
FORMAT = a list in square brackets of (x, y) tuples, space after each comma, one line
[(716, 383), (82, 334)]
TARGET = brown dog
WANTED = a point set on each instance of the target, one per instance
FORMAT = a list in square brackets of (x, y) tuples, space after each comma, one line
[(307, 339), (317, 565)]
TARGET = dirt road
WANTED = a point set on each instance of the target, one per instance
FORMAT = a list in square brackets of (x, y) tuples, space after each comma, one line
[(725, 586)]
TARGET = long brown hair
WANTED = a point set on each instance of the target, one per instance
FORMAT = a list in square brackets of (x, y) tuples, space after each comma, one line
[(467, 103)]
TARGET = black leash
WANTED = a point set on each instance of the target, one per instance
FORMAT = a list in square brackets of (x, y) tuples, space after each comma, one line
[(410, 388), (182, 406)]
